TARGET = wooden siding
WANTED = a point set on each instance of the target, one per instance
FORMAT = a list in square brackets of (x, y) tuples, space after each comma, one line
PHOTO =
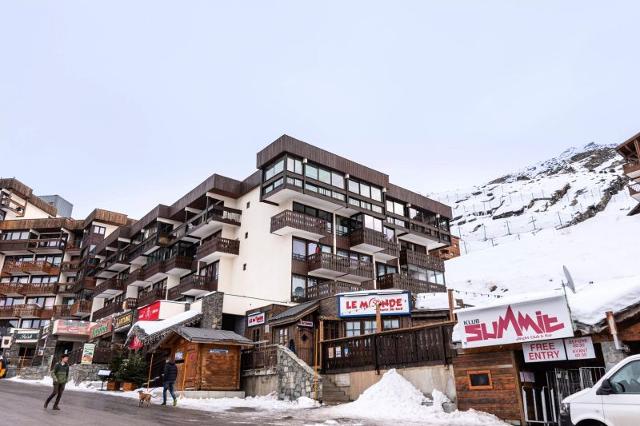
[(106, 216), (504, 398), (41, 224), (207, 367), (302, 149), (395, 191), (22, 190)]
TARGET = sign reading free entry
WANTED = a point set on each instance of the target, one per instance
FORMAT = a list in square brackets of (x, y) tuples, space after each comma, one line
[(540, 319), (358, 305)]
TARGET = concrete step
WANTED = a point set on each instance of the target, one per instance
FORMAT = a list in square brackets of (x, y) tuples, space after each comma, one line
[(331, 394)]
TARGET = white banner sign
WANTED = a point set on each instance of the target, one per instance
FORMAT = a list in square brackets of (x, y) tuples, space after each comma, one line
[(549, 350), (256, 319), (531, 320), (365, 305), (580, 348)]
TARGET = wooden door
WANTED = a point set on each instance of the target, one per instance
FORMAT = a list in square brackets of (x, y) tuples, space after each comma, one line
[(305, 344), (188, 368), (220, 367)]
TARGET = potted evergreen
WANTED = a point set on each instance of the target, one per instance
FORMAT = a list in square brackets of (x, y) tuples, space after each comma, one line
[(132, 372), (114, 382)]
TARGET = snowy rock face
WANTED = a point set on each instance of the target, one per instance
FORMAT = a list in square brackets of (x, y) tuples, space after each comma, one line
[(556, 193)]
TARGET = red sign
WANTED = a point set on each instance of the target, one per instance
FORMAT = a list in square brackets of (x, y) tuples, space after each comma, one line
[(72, 327), (365, 304), (550, 350), (135, 344), (150, 313), (256, 319)]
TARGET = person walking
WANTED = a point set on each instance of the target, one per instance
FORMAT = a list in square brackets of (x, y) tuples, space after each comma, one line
[(60, 375), (168, 381)]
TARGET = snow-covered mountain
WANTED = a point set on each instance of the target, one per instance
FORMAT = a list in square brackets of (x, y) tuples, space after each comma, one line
[(555, 193), (570, 210)]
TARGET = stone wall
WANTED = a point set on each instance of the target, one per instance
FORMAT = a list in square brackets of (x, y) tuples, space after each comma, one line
[(85, 372), (260, 382), (295, 377), (611, 355), (212, 311)]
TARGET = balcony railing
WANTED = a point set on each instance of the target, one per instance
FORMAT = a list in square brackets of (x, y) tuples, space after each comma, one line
[(28, 288), (340, 265), (32, 311), (87, 283), (151, 296), (81, 308), (260, 357), (375, 239), (114, 307), (214, 213), (300, 221), (30, 267), (632, 169), (634, 190), (62, 311), (410, 257), (32, 244), (113, 283), (405, 282), (408, 347), (218, 244), (70, 266), (193, 282), (331, 288)]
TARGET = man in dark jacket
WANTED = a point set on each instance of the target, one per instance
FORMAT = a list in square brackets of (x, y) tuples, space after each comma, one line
[(60, 375), (169, 380)]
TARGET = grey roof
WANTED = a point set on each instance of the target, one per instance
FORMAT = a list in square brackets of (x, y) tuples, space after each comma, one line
[(295, 310), (209, 335)]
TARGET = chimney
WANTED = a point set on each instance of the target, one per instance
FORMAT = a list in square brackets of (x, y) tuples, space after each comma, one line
[(212, 310)]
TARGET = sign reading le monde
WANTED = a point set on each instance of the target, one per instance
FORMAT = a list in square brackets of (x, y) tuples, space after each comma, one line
[(541, 319)]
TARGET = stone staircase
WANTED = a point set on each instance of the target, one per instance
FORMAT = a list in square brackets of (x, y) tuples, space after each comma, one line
[(332, 394)]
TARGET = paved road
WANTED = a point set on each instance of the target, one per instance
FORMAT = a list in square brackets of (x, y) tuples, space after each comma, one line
[(22, 405)]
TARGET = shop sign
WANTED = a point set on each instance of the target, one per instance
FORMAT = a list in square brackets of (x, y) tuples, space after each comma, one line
[(123, 320), (256, 319), (102, 327), (305, 323), (73, 327), (365, 305), (149, 313), (532, 320), (88, 349), (136, 343), (549, 350), (219, 351), (26, 336), (579, 348), (6, 342)]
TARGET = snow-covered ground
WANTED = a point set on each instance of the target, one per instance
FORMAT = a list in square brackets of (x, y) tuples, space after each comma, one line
[(393, 400)]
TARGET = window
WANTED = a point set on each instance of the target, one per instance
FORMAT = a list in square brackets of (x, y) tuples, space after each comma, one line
[(369, 327), (298, 286), (294, 182), (391, 324), (244, 266), (479, 380), (365, 189), (395, 207), (100, 230), (389, 233), (15, 235), (294, 165), (274, 169), (337, 180), (352, 328), (299, 251), (354, 186), (384, 269), (283, 336), (255, 334), (324, 176), (627, 379), (376, 193), (372, 223), (246, 235), (311, 171), (248, 204), (274, 185)]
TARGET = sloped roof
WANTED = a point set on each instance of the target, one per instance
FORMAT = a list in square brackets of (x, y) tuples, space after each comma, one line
[(295, 311), (209, 335)]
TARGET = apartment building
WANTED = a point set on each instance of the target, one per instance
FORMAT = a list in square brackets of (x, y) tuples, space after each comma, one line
[(630, 150), (307, 224), (43, 263)]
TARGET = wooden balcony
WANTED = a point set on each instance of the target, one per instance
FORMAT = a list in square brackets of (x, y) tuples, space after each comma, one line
[(424, 345), (113, 264), (36, 267), (193, 285), (70, 267), (331, 288), (6, 312), (62, 311), (299, 224), (81, 308), (151, 296), (368, 241), (405, 282), (634, 191), (114, 308), (32, 311), (84, 283), (217, 248), (331, 266), (45, 245), (137, 253), (28, 289), (207, 222), (178, 265), (409, 257), (111, 287), (632, 169)]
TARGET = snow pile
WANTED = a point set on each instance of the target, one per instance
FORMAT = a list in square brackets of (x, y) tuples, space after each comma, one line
[(432, 301), (590, 303), (395, 398)]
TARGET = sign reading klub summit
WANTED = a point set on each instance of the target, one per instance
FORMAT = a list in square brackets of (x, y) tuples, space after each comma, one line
[(540, 319), (365, 305)]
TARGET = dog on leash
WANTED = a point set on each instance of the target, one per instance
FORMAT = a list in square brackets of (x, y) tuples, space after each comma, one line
[(144, 398)]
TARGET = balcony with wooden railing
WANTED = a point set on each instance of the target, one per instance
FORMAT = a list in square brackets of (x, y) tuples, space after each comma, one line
[(62, 311), (331, 288), (25, 267), (632, 169), (84, 283), (216, 248), (81, 308), (410, 257), (32, 311), (634, 191), (70, 266), (299, 224), (193, 285), (208, 222), (27, 289), (110, 287), (331, 266), (409, 347), (32, 245), (151, 296), (370, 241), (405, 282), (114, 308)]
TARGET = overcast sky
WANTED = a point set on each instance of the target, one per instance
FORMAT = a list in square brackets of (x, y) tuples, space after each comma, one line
[(123, 105)]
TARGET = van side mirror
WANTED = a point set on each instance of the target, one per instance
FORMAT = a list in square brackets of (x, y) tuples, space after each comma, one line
[(605, 388)]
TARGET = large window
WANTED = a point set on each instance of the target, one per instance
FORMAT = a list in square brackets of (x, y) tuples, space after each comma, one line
[(312, 211), (395, 207), (54, 260), (303, 248), (100, 230), (294, 165), (43, 302), (391, 324), (365, 205), (323, 175), (423, 274), (358, 328), (15, 235), (283, 336), (298, 286), (365, 190), (274, 169)]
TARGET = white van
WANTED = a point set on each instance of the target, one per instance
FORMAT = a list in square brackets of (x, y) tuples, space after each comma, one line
[(613, 401)]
